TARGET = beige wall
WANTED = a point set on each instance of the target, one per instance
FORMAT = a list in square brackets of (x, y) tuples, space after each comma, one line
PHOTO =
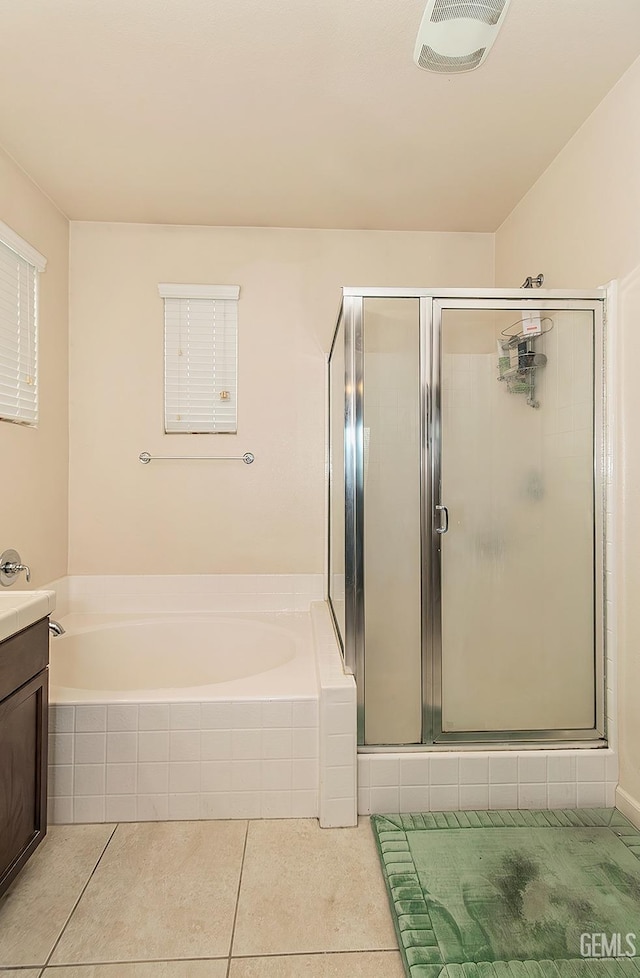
[(34, 461), (219, 517), (580, 225)]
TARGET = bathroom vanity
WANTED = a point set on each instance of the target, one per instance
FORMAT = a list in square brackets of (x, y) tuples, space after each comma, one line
[(24, 660)]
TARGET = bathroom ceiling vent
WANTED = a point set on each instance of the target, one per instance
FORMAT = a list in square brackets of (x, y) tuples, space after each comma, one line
[(457, 35)]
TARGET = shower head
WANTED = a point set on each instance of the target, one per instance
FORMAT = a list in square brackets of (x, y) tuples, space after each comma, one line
[(457, 35)]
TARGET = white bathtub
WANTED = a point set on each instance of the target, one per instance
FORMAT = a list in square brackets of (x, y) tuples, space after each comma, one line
[(175, 716), (176, 658)]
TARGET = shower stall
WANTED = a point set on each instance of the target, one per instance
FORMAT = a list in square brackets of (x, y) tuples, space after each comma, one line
[(466, 509)]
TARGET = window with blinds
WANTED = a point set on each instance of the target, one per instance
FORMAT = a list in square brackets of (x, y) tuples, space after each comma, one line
[(200, 358), (20, 265)]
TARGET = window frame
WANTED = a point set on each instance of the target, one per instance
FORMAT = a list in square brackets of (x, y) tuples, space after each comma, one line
[(217, 354), (19, 354)]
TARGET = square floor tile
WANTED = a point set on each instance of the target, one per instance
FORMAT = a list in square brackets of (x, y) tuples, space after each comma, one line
[(163, 890), (37, 905), (309, 889)]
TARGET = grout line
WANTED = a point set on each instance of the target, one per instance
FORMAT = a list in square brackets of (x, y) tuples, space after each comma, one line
[(241, 957), (235, 915), (125, 961), (82, 892), (10, 969), (316, 954)]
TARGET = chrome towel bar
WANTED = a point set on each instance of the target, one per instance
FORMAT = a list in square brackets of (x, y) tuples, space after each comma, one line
[(248, 458)]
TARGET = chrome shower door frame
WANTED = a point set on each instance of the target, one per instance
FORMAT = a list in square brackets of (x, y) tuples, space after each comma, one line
[(521, 300), (354, 657), (432, 304)]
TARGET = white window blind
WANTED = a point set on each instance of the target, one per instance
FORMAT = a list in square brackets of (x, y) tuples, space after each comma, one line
[(19, 268), (200, 357)]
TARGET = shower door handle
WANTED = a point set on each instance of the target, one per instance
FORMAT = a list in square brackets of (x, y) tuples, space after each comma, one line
[(445, 525)]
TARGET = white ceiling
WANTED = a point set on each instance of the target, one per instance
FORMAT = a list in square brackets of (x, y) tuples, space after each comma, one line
[(295, 113)]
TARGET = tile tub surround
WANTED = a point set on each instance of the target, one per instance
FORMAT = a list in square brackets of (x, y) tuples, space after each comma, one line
[(231, 758), (166, 761), (338, 726)]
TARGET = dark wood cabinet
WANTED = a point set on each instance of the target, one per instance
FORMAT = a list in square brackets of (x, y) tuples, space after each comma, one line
[(24, 686)]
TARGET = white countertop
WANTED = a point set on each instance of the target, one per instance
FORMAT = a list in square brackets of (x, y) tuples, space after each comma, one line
[(19, 609)]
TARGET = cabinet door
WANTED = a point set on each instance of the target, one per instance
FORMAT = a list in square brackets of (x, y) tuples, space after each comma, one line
[(23, 768)]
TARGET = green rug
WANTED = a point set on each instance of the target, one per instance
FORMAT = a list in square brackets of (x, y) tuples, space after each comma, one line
[(518, 894)]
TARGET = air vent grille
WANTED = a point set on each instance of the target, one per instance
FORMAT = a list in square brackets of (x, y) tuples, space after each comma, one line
[(433, 61), (486, 11)]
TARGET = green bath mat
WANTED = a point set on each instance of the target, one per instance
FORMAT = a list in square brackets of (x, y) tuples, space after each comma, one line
[(518, 894)]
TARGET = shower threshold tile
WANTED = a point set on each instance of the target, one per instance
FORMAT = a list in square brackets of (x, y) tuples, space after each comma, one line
[(307, 889), (163, 890), (37, 905)]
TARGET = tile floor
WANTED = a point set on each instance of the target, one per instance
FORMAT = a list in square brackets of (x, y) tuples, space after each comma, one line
[(218, 899)]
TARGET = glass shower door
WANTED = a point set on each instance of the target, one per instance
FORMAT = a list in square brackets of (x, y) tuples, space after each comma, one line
[(514, 513)]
